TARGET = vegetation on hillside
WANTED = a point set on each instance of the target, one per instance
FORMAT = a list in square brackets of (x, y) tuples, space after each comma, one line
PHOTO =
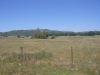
[(49, 32)]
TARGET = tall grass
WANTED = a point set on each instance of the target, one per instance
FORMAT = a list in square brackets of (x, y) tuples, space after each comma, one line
[(50, 56)]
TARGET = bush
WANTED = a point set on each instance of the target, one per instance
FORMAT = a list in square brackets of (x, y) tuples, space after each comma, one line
[(18, 36), (52, 37)]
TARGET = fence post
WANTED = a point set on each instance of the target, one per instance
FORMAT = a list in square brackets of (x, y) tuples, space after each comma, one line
[(21, 53), (71, 56)]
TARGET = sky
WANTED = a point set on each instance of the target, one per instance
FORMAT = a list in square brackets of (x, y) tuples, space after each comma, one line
[(63, 15)]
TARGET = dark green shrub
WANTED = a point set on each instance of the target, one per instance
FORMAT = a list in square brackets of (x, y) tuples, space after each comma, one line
[(18, 36), (23, 37), (52, 37)]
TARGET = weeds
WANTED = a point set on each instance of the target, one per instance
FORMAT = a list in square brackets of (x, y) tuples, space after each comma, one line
[(15, 57), (50, 57), (43, 55)]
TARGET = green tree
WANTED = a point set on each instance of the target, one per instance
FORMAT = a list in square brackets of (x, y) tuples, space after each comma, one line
[(40, 34), (18, 36)]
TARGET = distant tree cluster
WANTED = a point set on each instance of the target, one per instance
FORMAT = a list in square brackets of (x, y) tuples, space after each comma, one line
[(40, 34), (44, 33), (88, 33)]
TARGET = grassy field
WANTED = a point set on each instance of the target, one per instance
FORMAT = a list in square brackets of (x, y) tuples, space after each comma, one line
[(50, 56)]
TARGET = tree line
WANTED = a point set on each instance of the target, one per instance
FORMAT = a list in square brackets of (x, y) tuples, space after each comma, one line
[(44, 33)]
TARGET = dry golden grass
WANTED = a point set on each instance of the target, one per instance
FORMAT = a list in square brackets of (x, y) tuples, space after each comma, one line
[(86, 51)]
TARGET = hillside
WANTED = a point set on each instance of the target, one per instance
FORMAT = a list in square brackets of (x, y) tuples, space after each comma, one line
[(50, 32)]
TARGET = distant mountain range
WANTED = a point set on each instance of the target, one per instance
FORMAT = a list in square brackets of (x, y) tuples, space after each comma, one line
[(50, 32)]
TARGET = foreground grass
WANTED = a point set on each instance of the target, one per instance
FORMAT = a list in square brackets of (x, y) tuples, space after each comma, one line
[(50, 56)]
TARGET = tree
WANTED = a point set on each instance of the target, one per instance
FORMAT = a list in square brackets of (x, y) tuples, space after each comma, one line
[(40, 34), (18, 36)]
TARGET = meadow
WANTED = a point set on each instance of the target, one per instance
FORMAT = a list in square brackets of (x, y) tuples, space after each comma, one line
[(50, 56)]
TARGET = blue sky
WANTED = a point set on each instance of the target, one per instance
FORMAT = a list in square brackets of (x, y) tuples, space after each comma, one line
[(63, 15)]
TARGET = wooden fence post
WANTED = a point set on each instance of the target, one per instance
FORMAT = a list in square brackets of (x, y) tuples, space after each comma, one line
[(21, 53), (71, 56)]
